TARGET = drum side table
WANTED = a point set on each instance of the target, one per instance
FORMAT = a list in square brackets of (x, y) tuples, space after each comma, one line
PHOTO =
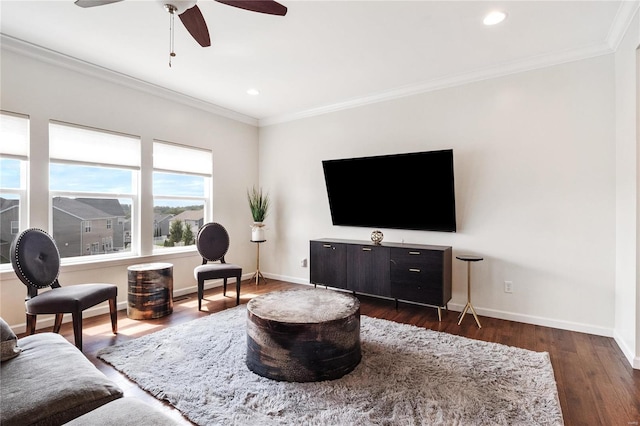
[(150, 290)]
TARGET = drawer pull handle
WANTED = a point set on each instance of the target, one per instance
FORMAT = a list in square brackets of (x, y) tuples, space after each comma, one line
[(366, 249), (414, 270), (414, 252), (326, 245)]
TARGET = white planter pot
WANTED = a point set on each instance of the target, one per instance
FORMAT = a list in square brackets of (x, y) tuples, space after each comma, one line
[(257, 231)]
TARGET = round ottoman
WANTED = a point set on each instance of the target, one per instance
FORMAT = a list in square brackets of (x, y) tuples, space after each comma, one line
[(304, 335)]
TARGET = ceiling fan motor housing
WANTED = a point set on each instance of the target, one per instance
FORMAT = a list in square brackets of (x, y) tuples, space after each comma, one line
[(179, 5)]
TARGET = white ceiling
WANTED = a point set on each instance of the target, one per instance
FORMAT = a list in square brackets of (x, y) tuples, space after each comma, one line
[(323, 55)]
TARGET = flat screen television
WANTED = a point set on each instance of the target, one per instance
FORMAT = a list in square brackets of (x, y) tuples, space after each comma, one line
[(400, 191)]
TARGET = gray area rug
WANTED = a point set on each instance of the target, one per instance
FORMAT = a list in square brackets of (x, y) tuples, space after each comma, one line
[(408, 376)]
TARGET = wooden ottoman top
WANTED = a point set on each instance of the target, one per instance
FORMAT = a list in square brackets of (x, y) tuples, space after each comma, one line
[(303, 306)]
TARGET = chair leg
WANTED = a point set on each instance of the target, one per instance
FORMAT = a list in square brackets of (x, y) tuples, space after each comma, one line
[(237, 290), (113, 310), (31, 324), (77, 328), (200, 293), (58, 322), (224, 286)]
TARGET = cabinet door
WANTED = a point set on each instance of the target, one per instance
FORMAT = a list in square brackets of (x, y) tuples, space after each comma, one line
[(328, 264), (368, 269), (417, 276)]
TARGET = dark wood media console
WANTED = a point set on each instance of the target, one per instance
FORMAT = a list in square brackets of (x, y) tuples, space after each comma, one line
[(408, 272)]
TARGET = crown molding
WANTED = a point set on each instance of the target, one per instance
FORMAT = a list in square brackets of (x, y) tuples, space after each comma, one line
[(500, 70), (43, 54), (621, 22)]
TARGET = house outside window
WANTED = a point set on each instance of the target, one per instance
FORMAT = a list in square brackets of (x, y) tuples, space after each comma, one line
[(181, 193), (14, 162), (91, 189)]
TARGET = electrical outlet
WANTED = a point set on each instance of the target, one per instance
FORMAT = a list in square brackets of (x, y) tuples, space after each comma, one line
[(508, 286), (303, 263)]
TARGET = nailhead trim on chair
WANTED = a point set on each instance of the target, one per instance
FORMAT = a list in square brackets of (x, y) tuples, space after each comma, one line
[(15, 256)]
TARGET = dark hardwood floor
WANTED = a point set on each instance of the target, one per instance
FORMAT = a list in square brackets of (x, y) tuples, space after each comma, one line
[(596, 385)]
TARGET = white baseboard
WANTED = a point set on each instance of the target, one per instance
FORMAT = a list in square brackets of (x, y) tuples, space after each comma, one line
[(535, 320), (627, 351)]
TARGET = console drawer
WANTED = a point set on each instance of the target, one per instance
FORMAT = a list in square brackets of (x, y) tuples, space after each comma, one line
[(417, 292), (410, 258), (416, 276)]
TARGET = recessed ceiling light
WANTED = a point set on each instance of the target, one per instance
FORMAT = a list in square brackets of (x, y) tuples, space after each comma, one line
[(494, 17), (253, 92)]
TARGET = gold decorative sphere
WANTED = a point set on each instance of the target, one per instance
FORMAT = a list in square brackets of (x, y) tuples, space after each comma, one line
[(377, 236)]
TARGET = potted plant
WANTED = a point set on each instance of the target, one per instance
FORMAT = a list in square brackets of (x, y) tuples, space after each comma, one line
[(259, 203)]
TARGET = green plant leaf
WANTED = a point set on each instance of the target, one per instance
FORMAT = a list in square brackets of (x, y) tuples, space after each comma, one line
[(259, 203)]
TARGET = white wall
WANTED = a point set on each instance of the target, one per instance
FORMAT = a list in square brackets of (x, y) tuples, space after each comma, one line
[(47, 91), (534, 158), (627, 305)]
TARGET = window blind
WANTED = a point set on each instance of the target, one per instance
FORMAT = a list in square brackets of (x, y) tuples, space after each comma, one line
[(177, 158), (14, 129), (69, 143)]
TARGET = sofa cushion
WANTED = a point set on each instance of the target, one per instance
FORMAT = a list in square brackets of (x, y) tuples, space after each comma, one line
[(125, 411), (50, 383), (8, 342)]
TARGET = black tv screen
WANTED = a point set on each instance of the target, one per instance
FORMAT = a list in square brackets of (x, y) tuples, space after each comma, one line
[(401, 191)]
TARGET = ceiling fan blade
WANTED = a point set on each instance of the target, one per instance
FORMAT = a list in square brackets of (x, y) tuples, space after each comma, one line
[(92, 3), (270, 7), (194, 23)]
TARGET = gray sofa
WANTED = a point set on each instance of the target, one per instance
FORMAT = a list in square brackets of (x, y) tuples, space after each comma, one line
[(46, 380)]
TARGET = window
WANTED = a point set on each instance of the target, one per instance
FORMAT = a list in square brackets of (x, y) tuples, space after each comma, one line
[(14, 160), (181, 193), (107, 244), (93, 184)]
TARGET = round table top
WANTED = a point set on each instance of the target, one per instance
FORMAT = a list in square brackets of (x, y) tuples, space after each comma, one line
[(469, 258), (303, 306), (257, 241), (150, 266)]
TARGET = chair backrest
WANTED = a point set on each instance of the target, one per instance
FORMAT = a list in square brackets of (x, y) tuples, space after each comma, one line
[(212, 242), (35, 259)]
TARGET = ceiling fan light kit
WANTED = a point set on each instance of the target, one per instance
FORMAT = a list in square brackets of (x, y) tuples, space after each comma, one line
[(192, 18)]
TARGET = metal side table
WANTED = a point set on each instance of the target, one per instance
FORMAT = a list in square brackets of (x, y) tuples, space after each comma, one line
[(469, 258), (257, 275)]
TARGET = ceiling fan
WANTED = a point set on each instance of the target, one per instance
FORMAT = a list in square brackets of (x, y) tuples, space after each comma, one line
[(192, 18)]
